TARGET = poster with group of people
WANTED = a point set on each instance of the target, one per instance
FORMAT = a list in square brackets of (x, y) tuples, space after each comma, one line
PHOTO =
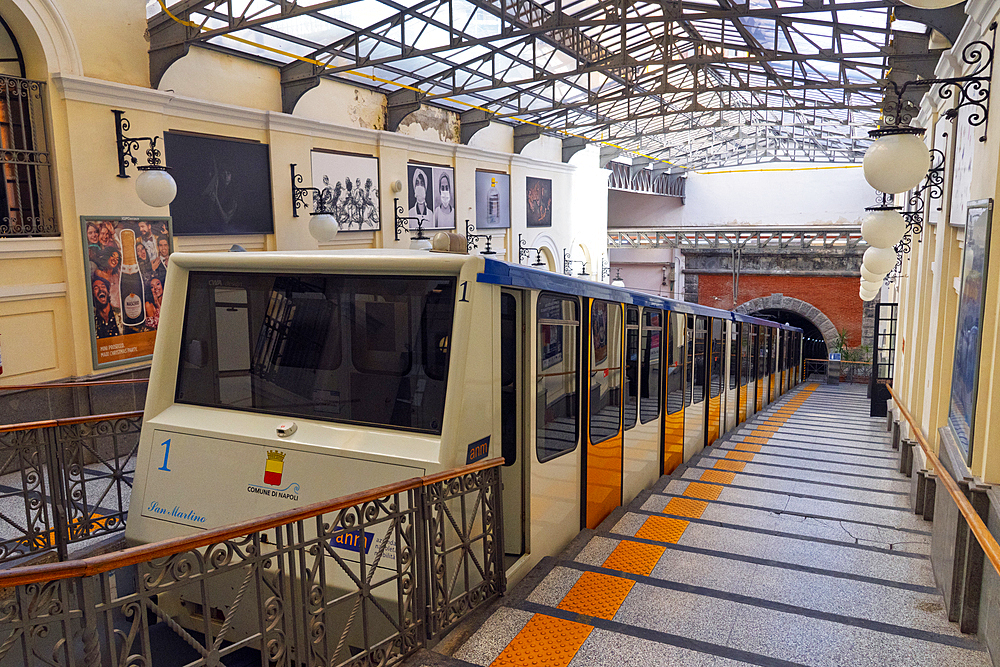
[(127, 262)]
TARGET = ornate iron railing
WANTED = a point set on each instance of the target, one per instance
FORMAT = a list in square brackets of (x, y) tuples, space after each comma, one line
[(64, 481), (363, 580)]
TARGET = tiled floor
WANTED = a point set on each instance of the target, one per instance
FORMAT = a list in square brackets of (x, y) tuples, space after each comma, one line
[(788, 543)]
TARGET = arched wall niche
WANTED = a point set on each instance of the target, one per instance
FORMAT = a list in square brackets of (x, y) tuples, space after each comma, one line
[(44, 36)]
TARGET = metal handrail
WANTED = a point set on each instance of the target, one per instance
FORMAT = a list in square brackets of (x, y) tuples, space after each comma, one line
[(70, 385), (66, 421), (976, 524), (146, 552)]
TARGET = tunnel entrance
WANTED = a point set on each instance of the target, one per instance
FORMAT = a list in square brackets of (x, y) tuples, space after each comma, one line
[(813, 345)]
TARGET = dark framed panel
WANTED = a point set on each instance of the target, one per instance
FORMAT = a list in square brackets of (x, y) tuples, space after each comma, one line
[(492, 200), (968, 334), (348, 185), (223, 185), (431, 197), (538, 196)]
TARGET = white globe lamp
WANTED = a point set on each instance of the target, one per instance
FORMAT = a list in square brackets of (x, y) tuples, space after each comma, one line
[(871, 276), (879, 260), (931, 4), (868, 296), (155, 186), (867, 286), (883, 227), (323, 227), (897, 161)]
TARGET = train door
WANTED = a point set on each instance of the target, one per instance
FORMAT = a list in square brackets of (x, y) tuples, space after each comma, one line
[(760, 366), (673, 420), (717, 355), (745, 389), (733, 380), (694, 410), (772, 365), (641, 411), (603, 457), (512, 474)]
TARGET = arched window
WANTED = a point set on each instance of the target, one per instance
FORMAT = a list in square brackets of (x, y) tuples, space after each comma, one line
[(25, 194)]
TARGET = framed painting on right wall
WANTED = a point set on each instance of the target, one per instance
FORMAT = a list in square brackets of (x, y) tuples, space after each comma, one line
[(968, 334)]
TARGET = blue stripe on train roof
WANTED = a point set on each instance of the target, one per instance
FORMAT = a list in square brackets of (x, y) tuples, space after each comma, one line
[(497, 272)]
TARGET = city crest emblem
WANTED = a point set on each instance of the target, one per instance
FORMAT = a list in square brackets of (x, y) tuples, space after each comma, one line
[(273, 468)]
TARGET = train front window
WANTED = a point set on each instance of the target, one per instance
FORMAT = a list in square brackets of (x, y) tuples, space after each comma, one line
[(357, 349)]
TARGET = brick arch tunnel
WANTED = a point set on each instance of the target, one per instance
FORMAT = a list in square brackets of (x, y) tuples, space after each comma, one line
[(818, 331)]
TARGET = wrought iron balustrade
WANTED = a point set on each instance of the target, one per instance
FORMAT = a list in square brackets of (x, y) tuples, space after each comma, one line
[(65, 481), (363, 580)]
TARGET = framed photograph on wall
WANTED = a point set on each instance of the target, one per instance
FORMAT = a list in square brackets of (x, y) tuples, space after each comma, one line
[(968, 334), (431, 197), (126, 260), (492, 200), (223, 185), (348, 184), (538, 204)]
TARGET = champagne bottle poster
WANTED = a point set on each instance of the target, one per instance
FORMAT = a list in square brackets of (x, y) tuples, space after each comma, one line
[(492, 200), (126, 260)]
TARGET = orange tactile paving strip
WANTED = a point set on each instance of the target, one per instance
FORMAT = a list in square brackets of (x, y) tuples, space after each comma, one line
[(663, 529), (739, 456), (596, 594), (757, 441), (734, 466), (703, 491), (744, 447), (773, 428), (685, 507), (718, 476), (544, 642), (636, 557), (761, 434)]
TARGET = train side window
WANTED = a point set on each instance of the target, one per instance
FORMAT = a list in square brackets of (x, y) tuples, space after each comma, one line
[(700, 362), (649, 370), (754, 352), (605, 370), (675, 362), (718, 350), (631, 399), (557, 390), (689, 361), (734, 354)]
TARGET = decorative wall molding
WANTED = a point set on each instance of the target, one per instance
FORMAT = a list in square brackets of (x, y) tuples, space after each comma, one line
[(54, 34), (111, 94), (28, 292), (31, 248), (219, 243)]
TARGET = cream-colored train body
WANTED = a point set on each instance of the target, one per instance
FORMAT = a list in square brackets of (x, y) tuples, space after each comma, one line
[(282, 379)]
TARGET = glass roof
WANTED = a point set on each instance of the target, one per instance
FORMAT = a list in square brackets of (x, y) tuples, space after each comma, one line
[(697, 83)]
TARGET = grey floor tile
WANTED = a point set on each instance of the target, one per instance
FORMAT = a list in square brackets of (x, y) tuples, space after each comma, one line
[(554, 587), (615, 650), (492, 638)]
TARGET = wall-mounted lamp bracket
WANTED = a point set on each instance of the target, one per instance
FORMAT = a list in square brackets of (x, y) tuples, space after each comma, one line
[(568, 265), (973, 90), (523, 249), (605, 269), (472, 240), (299, 195), (128, 144), (403, 221)]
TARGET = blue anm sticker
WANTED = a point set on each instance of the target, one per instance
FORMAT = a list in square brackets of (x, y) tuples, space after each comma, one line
[(353, 541), (478, 450)]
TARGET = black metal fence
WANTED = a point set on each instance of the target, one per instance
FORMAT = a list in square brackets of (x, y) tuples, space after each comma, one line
[(65, 481), (366, 580)]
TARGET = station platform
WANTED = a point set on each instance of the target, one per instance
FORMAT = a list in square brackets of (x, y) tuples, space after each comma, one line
[(788, 542)]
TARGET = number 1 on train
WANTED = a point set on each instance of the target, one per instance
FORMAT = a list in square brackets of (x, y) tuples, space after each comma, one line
[(166, 455)]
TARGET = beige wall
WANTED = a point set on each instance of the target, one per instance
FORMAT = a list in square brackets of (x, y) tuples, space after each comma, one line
[(44, 313), (928, 295)]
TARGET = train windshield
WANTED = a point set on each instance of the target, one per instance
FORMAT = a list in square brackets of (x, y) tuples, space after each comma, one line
[(358, 349)]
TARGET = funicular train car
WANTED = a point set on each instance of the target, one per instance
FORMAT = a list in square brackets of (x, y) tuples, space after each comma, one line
[(282, 379)]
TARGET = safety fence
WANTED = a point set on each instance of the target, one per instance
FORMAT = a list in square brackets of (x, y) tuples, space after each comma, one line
[(367, 579), (857, 372), (65, 481)]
